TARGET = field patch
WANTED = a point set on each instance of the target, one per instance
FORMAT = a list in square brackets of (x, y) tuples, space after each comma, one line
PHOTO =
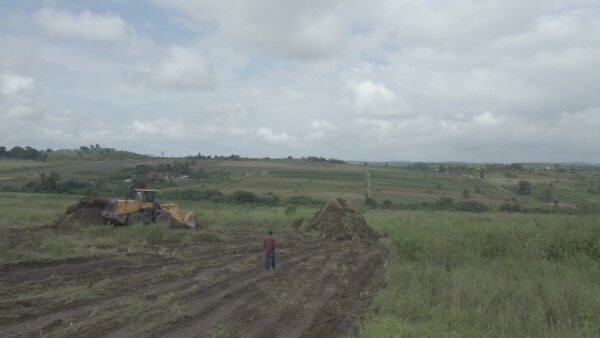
[(455, 275)]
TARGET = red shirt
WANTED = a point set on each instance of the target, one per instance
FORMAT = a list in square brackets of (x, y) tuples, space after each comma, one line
[(269, 244)]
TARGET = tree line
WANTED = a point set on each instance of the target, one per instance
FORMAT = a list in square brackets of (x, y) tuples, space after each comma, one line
[(24, 153)]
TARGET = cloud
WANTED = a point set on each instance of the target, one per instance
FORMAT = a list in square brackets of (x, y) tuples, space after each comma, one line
[(376, 100), (498, 80), (85, 25), (15, 84), (17, 98), (320, 129), (180, 68), (268, 135), (486, 119), (291, 29), (161, 127), (451, 24)]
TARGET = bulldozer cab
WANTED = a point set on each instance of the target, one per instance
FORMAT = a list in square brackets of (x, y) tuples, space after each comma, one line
[(145, 195)]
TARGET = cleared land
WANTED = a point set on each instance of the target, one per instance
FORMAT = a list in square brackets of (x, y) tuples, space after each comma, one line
[(320, 288)]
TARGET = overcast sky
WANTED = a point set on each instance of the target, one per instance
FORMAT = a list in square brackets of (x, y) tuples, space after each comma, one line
[(431, 80)]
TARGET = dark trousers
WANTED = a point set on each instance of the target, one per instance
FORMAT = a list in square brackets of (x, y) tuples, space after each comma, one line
[(269, 260)]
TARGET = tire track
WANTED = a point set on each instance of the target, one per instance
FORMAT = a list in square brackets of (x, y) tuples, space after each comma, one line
[(25, 326), (216, 303), (202, 300), (217, 289)]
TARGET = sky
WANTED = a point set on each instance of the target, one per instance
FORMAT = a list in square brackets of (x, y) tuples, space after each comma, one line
[(390, 80)]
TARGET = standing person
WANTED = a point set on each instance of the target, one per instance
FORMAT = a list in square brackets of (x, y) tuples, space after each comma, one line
[(269, 247)]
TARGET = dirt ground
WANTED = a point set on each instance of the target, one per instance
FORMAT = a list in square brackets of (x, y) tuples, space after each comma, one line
[(321, 288)]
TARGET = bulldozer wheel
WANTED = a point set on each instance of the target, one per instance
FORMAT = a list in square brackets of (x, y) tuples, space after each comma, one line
[(136, 218), (164, 218)]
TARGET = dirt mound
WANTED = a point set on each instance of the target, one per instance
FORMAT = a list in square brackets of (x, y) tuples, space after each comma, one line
[(87, 211), (339, 221)]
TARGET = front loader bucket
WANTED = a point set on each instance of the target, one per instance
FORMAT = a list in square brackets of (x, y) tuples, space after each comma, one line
[(190, 220)]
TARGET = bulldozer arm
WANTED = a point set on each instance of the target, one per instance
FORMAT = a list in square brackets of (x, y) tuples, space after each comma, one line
[(189, 220)]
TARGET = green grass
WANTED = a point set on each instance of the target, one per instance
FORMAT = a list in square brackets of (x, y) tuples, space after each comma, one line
[(492, 275), (11, 164), (218, 215), (32, 243), (30, 210), (580, 185)]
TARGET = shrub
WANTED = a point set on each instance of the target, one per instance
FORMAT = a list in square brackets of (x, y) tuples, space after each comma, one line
[(290, 208), (370, 202), (524, 187), (270, 200), (510, 207), (471, 206), (243, 197), (303, 200)]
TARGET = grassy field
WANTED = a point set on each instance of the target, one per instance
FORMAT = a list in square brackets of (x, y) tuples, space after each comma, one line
[(489, 275), (400, 187)]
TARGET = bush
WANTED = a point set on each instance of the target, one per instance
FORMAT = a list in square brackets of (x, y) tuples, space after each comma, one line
[(270, 200), (303, 200), (290, 208), (447, 203), (54, 184), (243, 197), (511, 207), (370, 202), (444, 203), (195, 195), (524, 187), (471, 206)]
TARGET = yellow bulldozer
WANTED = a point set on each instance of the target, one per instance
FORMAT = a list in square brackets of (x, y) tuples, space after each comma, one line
[(144, 208)]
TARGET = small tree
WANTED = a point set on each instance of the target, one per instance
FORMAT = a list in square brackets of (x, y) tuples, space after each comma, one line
[(370, 202), (524, 187)]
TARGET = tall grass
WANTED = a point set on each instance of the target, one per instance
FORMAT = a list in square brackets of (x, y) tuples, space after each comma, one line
[(22, 209), (215, 215), (491, 275)]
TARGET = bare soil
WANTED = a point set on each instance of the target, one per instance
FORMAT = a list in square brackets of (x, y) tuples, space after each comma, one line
[(88, 210), (339, 221), (321, 288)]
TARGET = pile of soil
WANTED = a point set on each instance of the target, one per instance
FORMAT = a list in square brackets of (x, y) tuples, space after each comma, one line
[(87, 211), (339, 221)]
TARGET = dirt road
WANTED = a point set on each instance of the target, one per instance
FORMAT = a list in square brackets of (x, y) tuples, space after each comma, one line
[(320, 289)]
